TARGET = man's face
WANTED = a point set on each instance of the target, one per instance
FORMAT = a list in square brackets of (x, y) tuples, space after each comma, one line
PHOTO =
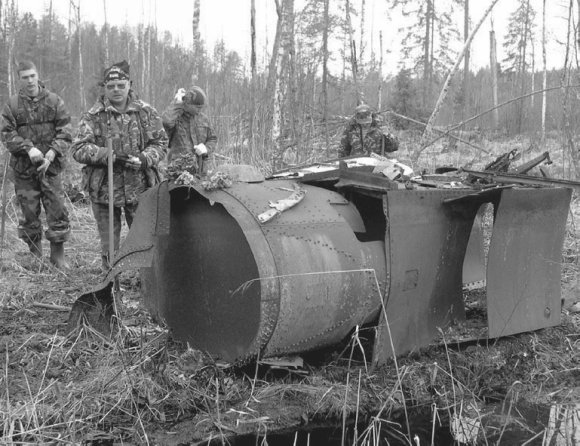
[(117, 91), (29, 82), (192, 109)]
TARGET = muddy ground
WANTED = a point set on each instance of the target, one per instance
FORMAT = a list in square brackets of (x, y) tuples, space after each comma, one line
[(142, 387)]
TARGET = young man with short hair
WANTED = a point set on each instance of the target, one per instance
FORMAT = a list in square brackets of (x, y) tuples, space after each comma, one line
[(37, 132)]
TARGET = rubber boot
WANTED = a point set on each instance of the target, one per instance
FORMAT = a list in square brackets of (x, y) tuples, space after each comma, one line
[(57, 255)]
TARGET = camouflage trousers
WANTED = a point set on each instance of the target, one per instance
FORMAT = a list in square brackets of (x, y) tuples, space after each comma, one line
[(31, 191), (101, 213)]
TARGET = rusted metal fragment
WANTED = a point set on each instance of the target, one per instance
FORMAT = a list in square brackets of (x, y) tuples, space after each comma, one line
[(524, 260), (427, 245), (506, 178), (236, 288), (137, 251)]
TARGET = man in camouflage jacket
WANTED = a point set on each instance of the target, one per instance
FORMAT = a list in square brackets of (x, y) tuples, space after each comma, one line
[(363, 135), (139, 144), (37, 132), (188, 128)]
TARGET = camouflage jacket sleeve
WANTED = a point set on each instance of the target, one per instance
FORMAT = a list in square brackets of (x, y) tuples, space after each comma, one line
[(156, 139), (345, 144), (84, 149), (63, 128), (171, 113), (15, 143)]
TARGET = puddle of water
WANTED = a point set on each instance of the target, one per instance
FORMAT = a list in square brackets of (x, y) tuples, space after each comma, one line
[(532, 425)]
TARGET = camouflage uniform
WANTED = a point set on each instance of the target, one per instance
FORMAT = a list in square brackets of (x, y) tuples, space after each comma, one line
[(359, 141), (137, 131), (42, 122), (186, 130)]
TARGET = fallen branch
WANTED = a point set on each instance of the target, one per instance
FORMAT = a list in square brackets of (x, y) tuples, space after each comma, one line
[(51, 306)]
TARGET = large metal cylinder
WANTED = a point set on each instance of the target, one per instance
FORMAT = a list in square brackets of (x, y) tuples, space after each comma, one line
[(236, 288)]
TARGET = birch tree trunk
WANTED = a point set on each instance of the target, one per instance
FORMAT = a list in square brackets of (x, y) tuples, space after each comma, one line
[(544, 70), (196, 40), (362, 37), (523, 53), (427, 134), (106, 34), (324, 91), (253, 80), (427, 53), (287, 9), (81, 70), (493, 70), (466, 61), (353, 61), (380, 103)]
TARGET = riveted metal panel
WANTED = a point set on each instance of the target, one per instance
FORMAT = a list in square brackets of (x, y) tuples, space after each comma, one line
[(524, 260), (426, 243), (326, 276)]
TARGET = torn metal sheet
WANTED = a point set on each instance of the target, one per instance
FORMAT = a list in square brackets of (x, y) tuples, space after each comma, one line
[(524, 260), (427, 243)]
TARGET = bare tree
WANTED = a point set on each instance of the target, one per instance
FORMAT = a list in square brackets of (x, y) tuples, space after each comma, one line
[(77, 8), (429, 127), (466, 61), (254, 75), (380, 102), (493, 71), (362, 36), (282, 56), (196, 39), (325, 73), (353, 59), (106, 34), (544, 69)]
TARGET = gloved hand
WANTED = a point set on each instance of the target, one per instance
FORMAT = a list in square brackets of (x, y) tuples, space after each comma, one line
[(102, 154), (200, 149), (133, 162), (179, 96), (43, 167), (35, 155), (50, 155)]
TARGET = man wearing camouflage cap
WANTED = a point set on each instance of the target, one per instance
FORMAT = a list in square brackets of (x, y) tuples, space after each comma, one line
[(37, 132), (363, 135), (188, 128), (139, 144)]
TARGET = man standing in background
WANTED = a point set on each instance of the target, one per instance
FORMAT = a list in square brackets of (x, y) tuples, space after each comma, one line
[(139, 143), (187, 126), (363, 135), (37, 132)]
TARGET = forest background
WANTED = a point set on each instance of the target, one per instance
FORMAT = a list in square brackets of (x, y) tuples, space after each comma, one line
[(321, 63)]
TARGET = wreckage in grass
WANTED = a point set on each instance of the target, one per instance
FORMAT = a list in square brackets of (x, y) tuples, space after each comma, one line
[(295, 262)]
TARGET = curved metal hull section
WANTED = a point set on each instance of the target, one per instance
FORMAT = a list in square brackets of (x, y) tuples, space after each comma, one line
[(234, 287)]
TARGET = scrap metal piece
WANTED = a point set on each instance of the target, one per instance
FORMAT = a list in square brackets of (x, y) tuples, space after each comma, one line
[(427, 244), (236, 288), (96, 307), (528, 180), (524, 260)]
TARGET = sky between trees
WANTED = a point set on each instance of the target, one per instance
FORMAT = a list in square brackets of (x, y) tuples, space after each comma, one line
[(230, 20)]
